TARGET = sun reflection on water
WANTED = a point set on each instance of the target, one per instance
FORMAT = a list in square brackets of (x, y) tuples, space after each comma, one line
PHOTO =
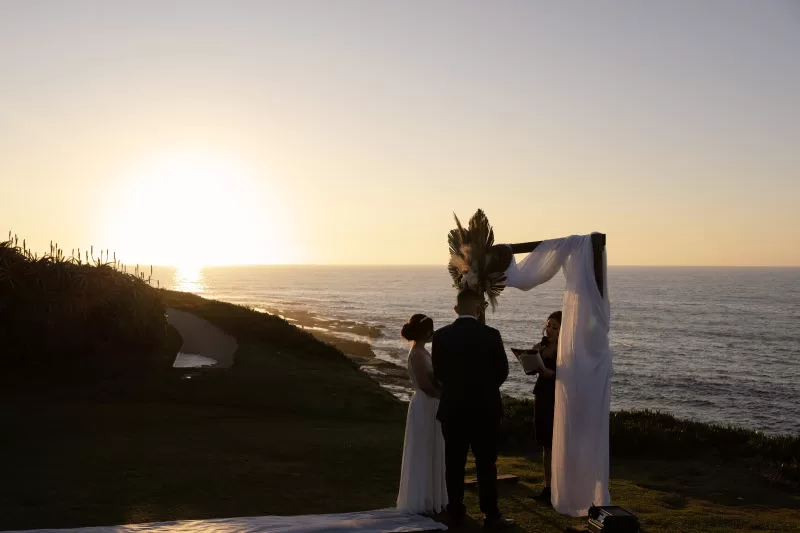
[(189, 279)]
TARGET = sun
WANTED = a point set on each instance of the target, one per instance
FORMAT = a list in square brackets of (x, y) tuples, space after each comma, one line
[(191, 209)]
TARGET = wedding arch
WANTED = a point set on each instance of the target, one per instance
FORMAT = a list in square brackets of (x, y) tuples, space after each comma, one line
[(580, 458)]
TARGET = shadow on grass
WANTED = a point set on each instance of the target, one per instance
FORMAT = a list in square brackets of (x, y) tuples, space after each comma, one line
[(730, 485)]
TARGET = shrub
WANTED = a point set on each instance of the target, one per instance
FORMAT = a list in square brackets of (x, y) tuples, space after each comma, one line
[(653, 434), (65, 312)]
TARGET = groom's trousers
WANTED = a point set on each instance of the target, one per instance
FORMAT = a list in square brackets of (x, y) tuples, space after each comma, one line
[(459, 437)]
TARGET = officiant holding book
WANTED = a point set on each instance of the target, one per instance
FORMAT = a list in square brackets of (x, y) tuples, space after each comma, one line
[(541, 361)]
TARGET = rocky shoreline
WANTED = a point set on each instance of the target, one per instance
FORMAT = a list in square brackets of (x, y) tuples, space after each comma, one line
[(388, 375)]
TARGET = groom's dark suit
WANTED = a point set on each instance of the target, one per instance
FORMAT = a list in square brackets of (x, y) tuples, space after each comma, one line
[(470, 362)]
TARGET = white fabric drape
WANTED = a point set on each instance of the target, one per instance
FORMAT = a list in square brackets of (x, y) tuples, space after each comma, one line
[(583, 372)]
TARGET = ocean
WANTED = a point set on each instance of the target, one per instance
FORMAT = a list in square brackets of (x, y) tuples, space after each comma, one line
[(708, 344)]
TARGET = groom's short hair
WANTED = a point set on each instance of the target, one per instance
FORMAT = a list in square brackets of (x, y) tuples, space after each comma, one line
[(467, 296)]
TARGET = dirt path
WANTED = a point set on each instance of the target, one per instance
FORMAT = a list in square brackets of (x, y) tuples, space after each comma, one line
[(201, 337)]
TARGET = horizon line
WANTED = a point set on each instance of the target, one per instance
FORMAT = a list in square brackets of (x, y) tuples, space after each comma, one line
[(426, 265)]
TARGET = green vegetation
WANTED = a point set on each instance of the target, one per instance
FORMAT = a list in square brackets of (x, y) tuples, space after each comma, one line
[(650, 434), (76, 314), (294, 428)]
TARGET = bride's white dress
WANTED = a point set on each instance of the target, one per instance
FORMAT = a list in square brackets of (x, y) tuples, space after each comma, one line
[(422, 478)]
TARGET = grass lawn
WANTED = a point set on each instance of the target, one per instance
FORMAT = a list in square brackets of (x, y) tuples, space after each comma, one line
[(292, 428), (125, 463), (679, 496)]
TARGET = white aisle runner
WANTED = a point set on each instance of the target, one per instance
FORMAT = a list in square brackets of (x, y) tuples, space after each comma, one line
[(384, 520)]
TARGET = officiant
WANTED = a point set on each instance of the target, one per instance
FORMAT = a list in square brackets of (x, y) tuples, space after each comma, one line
[(544, 393)]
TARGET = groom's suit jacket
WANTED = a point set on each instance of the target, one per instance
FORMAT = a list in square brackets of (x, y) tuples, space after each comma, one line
[(470, 362)]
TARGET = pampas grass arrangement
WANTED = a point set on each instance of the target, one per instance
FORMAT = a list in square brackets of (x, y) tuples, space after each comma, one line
[(473, 261)]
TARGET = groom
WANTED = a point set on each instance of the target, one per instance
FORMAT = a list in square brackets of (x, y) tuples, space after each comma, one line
[(470, 362)]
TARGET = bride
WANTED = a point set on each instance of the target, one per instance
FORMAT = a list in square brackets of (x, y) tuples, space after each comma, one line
[(422, 478)]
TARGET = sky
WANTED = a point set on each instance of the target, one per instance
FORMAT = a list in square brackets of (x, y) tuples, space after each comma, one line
[(349, 132)]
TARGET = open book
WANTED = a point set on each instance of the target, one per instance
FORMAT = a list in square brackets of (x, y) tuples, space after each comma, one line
[(530, 360)]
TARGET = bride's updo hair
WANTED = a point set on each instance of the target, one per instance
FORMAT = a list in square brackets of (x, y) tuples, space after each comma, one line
[(416, 327)]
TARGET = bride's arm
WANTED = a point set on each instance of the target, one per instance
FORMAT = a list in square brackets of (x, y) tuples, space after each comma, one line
[(423, 375)]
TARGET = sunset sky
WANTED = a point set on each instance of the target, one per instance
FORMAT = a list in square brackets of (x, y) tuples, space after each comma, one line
[(348, 132)]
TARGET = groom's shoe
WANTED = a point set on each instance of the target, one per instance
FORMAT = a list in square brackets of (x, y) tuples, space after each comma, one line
[(456, 515), (498, 523)]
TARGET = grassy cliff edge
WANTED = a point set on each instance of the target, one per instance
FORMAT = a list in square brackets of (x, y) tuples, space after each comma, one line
[(295, 428)]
